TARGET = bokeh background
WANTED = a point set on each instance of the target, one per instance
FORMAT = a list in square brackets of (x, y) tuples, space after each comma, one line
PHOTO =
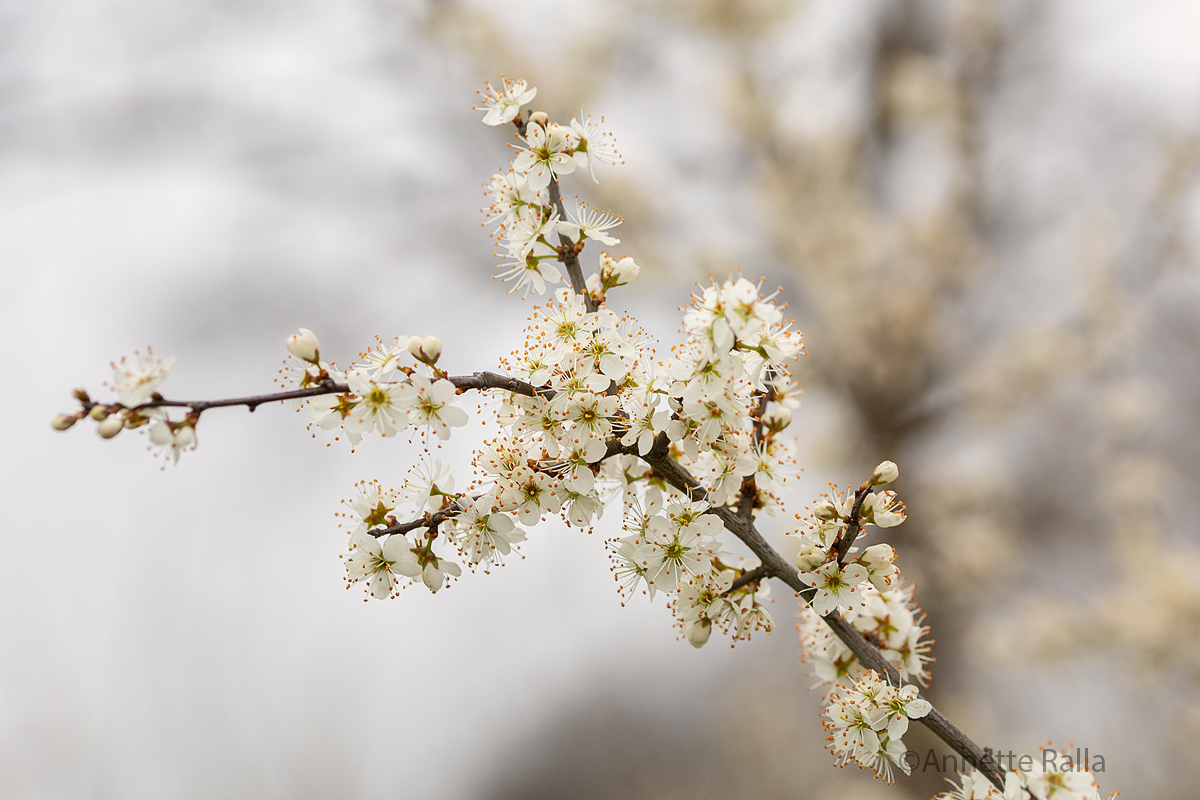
[(983, 215)]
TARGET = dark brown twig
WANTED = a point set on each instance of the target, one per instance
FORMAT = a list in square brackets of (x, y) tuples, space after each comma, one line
[(476, 380), (853, 524), (749, 576)]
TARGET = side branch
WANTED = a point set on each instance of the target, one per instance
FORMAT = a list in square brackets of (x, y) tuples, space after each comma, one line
[(428, 521), (775, 565), (568, 255), (853, 524), (476, 380)]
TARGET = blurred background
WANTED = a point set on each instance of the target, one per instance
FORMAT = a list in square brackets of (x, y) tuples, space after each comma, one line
[(983, 215)]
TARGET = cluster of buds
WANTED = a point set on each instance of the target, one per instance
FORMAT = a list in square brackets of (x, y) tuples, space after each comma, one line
[(867, 720), (826, 544), (612, 273), (136, 382)]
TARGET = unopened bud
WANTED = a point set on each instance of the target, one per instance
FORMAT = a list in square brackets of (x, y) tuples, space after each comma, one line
[(110, 426), (538, 118), (626, 271), (617, 273), (304, 346), (62, 422), (698, 634), (878, 560), (98, 413), (777, 418), (885, 473), (185, 436), (825, 510), (81, 395), (160, 434), (877, 555), (594, 288), (810, 558), (426, 350)]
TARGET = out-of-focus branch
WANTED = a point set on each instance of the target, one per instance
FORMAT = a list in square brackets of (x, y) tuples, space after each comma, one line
[(775, 565)]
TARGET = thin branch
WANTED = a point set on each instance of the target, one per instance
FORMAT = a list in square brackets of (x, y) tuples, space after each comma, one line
[(199, 406), (749, 576), (427, 521), (490, 380), (853, 524), (750, 485), (477, 380), (776, 566), (568, 254)]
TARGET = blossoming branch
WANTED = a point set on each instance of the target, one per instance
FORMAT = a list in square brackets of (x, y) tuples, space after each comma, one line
[(690, 444)]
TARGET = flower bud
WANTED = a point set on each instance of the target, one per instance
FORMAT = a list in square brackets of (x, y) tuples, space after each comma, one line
[(110, 426), (98, 412), (184, 436), (810, 558), (825, 510), (538, 118), (617, 273), (777, 418), (867, 510), (877, 555), (878, 560), (607, 265), (81, 395), (160, 434), (426, 350), (304, 346), (595, 290), (698, 634), (626, 271), (62, 422), (885, 473)]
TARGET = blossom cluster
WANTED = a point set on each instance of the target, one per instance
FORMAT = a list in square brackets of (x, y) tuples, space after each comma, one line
[(692, 445), (525, 202), (135, 382), (864, 586), (382, 393), (1039, 782), (598, 402), (867, 720), (889, 620)]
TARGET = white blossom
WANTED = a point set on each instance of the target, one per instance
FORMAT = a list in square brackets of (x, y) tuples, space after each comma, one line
[(548, 155), (501, 105), (379, 565), (837, 589), (136, 381), (430, 403)]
